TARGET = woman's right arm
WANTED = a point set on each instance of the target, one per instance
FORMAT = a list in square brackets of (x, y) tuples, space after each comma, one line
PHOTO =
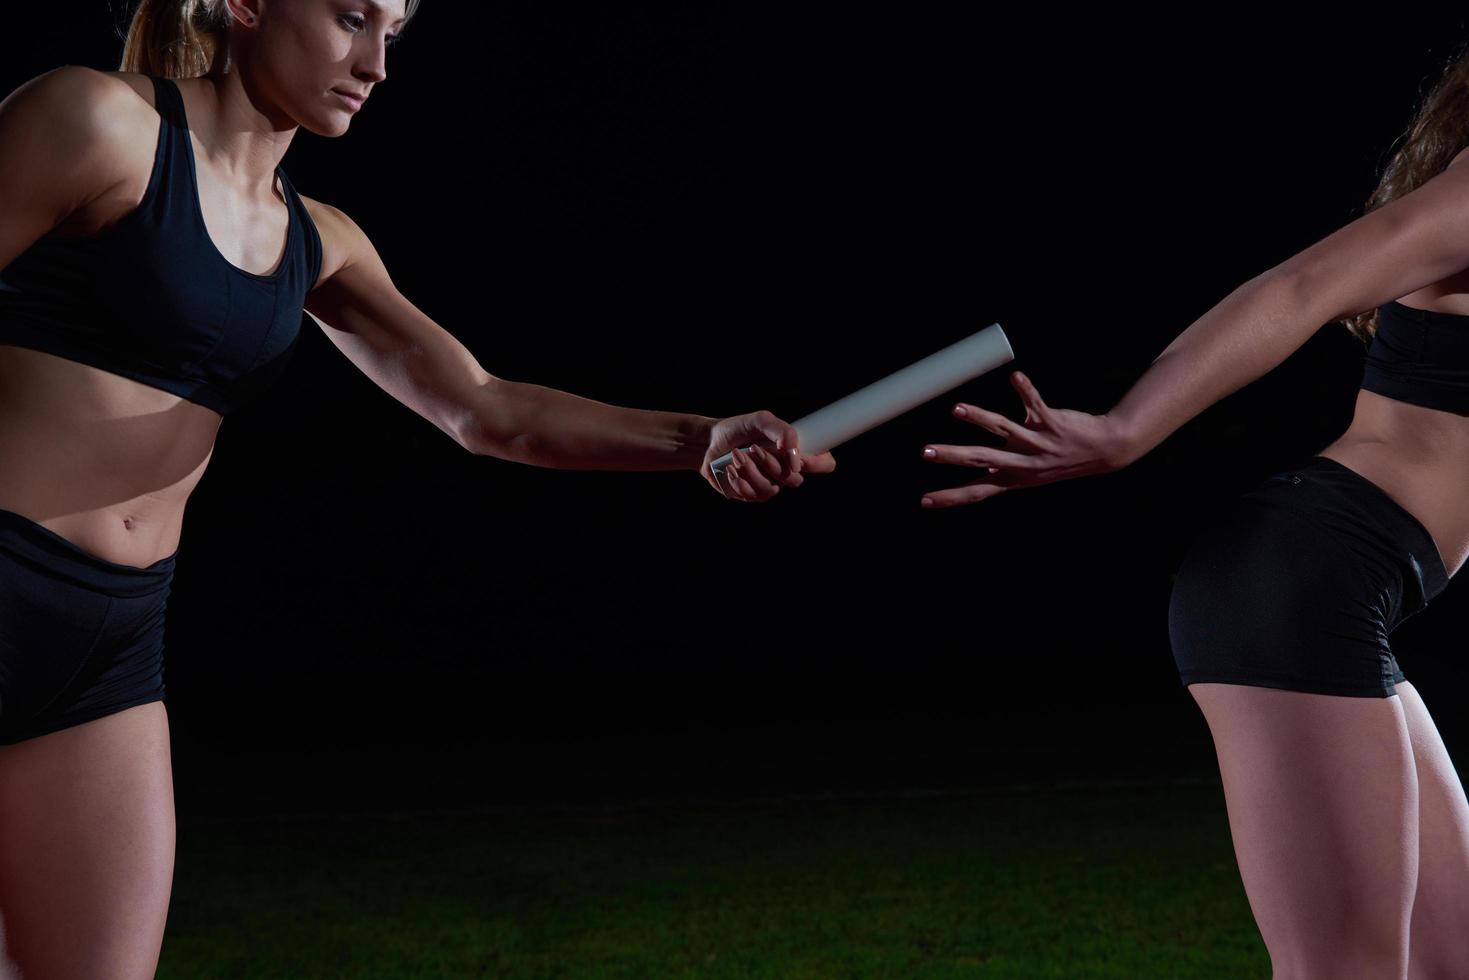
[(1408, 243), (59, 136), (1413, 241), (1243, 337)]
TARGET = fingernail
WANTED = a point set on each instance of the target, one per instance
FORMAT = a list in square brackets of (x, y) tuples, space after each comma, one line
[(928, 501), (929, 453), (959, 410)]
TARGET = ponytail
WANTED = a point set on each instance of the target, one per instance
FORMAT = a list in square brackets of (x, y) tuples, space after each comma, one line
[(177, 38)]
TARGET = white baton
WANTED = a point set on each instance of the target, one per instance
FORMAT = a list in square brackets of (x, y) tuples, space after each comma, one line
[(944, 370)]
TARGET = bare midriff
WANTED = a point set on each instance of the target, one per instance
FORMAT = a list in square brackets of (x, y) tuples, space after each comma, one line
[(105, 462), (1419, 457)]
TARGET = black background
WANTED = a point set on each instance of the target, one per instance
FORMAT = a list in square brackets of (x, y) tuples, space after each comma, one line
[(730, 208)]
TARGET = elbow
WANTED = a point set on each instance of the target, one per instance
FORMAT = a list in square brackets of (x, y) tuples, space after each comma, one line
[(493, 433), (489, 440), (519, 448), (488, 428)]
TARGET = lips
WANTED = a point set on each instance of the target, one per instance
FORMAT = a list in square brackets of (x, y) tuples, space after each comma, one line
[(352, 99)]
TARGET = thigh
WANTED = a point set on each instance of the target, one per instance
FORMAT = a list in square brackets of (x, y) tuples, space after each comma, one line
[(1441, 908), (86, 846), (1323, 809)]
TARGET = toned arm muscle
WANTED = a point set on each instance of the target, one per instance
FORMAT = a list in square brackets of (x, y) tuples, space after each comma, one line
[(389, 339)]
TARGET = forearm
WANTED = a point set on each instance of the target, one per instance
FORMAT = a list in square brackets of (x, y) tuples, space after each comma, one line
[(1244, 336), (528, 423)]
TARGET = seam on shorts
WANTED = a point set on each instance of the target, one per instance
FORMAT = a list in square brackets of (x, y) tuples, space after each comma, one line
[(86, 659)]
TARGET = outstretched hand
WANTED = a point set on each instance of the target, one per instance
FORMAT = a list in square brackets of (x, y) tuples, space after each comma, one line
[(773, 459), (1051, 444)]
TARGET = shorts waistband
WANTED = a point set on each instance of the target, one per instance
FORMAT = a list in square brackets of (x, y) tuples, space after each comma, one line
[(1416, 540), (54, 555)]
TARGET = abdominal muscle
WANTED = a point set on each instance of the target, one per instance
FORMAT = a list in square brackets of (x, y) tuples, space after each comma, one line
[(105, 462), (1419, 457)]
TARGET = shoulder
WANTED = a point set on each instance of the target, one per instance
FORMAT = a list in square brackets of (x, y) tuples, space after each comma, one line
[(342, 241), (69, 134), (84, 102), (1461, 155), (105, 104)]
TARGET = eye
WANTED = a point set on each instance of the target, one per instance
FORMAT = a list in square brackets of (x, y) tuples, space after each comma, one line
[(357, 23)]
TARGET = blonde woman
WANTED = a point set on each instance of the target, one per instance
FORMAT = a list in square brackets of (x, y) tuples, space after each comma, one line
[(1350, 824), (154, 265)]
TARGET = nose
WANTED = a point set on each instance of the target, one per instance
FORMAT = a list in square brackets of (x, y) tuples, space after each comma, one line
[(372, 68), (370, 74)]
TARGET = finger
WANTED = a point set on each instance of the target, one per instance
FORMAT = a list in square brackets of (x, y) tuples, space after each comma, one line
[(783, 468), (743, 490), (787, 475), (766, 463), (979, 456), (751, 474), (1035, 409), (1000, 425), (970, 493), (787, 448), (755, 486), (761, 487), (820, 463)]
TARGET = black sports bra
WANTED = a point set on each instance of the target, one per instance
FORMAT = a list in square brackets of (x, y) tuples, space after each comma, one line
[(152, 299), (1420, 356)]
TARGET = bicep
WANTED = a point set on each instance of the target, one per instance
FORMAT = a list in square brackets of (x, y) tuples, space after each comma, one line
[(1410, 242)]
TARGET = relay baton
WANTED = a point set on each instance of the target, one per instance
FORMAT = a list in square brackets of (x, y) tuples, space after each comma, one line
[(944, 370)]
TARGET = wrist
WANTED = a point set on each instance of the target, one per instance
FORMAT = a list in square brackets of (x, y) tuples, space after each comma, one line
[(1123, 445), (692, 441)]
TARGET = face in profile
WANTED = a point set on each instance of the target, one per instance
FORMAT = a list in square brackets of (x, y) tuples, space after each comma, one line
[(313, 56)]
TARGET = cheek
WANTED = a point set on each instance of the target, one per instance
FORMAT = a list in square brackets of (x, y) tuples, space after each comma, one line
[(307, 40)]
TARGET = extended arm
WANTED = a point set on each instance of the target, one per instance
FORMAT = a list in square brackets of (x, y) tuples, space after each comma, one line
[(426, 368), (1413, 241), (1244, 336)]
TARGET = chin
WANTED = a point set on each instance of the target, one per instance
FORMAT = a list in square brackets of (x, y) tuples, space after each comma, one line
[(329, 127)]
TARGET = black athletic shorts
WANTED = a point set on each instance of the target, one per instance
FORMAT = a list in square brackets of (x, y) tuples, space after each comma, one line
[(1298, 584), (80, 637)]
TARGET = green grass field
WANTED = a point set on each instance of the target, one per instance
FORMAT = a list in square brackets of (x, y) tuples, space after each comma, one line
[(1125, 882)]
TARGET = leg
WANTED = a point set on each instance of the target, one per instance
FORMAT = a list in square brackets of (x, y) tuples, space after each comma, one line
[(1322, 797), (1439, 947), (86, 847)]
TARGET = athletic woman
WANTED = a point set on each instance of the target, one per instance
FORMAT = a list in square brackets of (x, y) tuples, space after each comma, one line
[(1349, 822), (154, 265)]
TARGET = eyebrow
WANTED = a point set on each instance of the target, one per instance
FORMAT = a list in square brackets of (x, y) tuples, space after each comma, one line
[(382, 10)]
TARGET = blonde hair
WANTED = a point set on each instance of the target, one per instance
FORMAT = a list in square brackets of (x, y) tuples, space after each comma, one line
[(185, 38), (1439, 130)]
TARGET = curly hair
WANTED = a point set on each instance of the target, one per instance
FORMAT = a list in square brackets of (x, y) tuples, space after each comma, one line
[(1439, 130)]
